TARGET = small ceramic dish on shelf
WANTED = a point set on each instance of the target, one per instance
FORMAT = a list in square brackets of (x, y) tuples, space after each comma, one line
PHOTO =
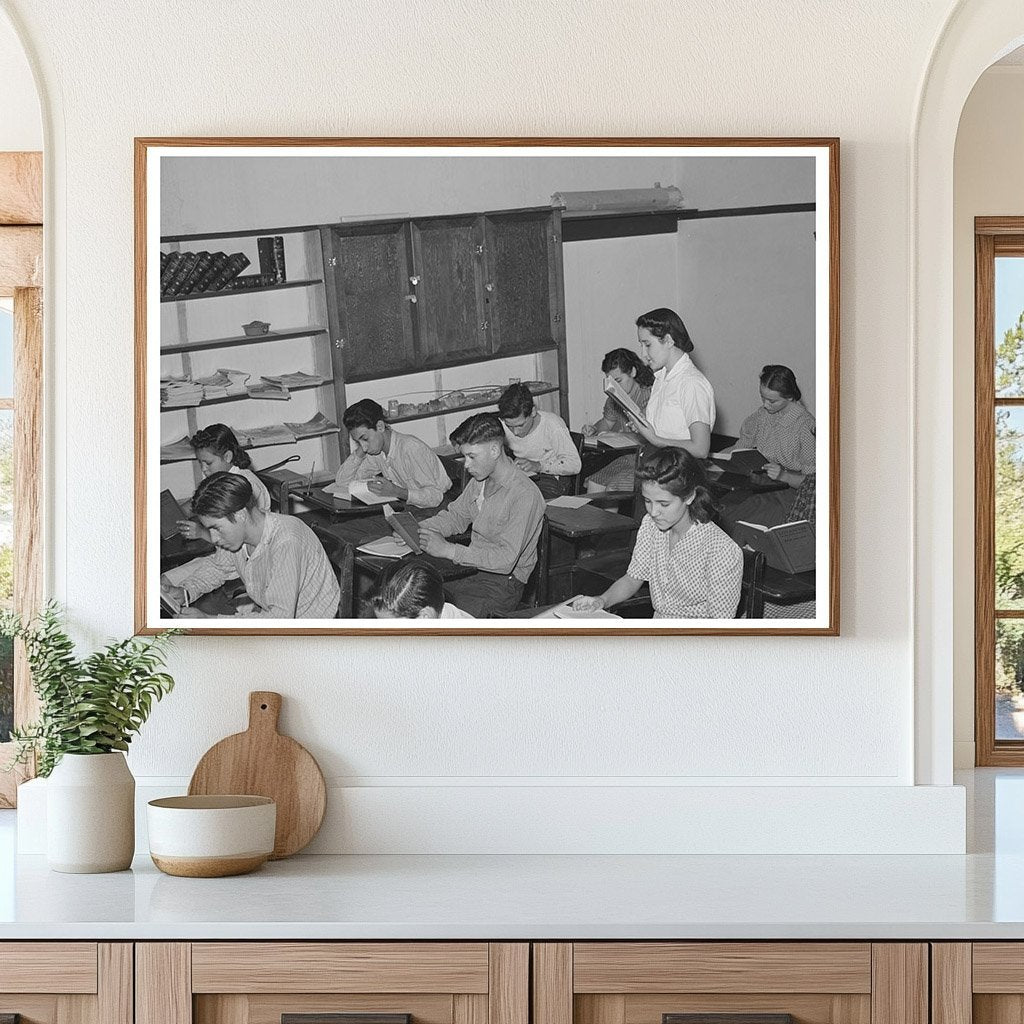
[(211, 836), (256, 328)]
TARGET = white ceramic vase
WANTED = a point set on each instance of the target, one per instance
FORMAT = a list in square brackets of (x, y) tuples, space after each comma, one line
[(90, 814)]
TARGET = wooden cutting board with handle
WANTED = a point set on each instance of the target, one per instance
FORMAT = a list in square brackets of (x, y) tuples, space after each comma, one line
[(262, 762)]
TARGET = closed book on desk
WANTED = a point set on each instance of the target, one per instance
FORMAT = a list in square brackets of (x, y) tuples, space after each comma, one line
[(789, 546), (386, 547)]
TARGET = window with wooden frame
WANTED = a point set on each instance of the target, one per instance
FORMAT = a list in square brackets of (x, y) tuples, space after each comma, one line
[(999, 490), (21, 364)]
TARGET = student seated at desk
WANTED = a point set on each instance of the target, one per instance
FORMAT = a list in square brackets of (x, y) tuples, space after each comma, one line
[(635, 378), (505, 510), (694, 569), (539, 441), (278, 558), (218, 451), (783, 431), (412, 589), (395, 465)]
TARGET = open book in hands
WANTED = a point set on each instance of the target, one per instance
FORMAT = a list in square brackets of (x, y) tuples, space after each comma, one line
[(619, 396)]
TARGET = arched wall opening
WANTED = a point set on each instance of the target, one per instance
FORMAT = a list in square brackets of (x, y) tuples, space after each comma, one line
[(976, 35)]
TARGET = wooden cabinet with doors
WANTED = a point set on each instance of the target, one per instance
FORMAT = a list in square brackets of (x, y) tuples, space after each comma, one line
[(425, 293), (730, 983), (332, 983), (66, 982)]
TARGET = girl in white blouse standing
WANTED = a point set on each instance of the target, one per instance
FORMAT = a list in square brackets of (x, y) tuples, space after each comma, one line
[(681, 409)]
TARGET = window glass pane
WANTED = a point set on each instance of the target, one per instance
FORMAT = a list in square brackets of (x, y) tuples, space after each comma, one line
[(1009, 481), (6, 353), (6, 567), (1009, 679), (1009, 322)]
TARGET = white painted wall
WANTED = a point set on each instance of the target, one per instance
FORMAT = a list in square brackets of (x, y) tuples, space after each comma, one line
[(987, 181), (678, 711), (21, 127)]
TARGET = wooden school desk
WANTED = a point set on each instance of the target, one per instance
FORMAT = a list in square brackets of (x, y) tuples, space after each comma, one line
[(569, 529)]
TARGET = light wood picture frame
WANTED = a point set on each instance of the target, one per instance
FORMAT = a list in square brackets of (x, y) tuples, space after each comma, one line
[(286, 287)]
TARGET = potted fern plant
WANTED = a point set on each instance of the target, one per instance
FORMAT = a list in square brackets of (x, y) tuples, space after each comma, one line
[(90, 708)]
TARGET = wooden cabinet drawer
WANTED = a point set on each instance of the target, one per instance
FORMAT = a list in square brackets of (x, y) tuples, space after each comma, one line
[(260, 982), (66, 982), (981, 982), (813, 982)]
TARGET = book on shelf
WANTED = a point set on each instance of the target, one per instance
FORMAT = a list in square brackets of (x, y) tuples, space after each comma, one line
[(171, 513), (611, 439), (245, 281), (297, 379), (271, 255), (264, 389), (180, 394), (181, 272), (615, 391), (261, 437), (176, 451), (406, 526), (233, 382), (318, 424), (199, 265), (167, 268), (202, 282), (788, 546), (742, 460), (233, 266)]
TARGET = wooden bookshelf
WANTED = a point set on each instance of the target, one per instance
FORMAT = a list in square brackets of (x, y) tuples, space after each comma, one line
[(204, 344), (466, 407), (241, 291)]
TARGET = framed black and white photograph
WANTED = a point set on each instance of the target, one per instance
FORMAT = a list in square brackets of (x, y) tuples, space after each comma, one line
[(487, 385)]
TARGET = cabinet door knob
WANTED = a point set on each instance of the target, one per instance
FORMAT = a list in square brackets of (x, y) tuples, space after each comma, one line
[(489, 287), (414, 280), (410, 298)]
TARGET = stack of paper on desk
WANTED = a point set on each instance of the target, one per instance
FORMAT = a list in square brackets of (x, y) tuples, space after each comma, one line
[(386, 547), (610, 439)]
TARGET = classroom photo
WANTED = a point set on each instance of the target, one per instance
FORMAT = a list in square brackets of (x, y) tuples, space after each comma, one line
[(443, 388)]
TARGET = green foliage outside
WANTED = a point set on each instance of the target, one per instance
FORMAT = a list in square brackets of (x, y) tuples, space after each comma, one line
[(1009, 517), (90, 705)]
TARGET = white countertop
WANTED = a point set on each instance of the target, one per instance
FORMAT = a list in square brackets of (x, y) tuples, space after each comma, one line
[(978, 896), (517, 897)]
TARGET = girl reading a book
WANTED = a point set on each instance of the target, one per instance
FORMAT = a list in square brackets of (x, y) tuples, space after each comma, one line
[(783, 431), (635, 378), (694, 569), (282, 565), (412, 589), (218, 451), (681, 410)]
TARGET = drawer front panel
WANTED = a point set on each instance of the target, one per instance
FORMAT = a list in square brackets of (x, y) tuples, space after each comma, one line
[(421, 967), (754, 967), (268, 1009), (998, 967), (64, 967)]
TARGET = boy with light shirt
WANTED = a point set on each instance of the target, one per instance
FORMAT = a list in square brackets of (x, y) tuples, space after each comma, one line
[(505, 510), (539, 440), (394, 465)]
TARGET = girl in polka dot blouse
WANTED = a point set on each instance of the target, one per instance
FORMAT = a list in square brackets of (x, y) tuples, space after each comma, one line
[(694, 569)]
